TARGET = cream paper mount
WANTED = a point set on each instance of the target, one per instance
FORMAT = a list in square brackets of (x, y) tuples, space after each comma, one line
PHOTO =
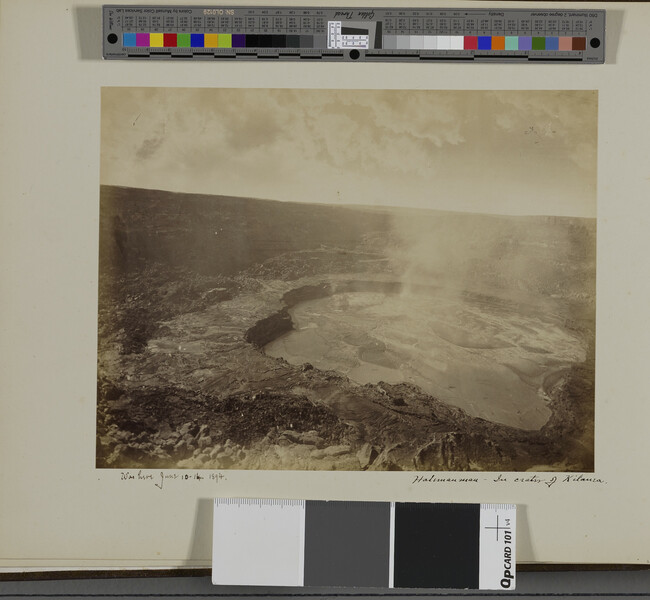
[(62, 511)]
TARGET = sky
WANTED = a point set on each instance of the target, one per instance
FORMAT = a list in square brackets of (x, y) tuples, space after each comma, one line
[(503, 152)]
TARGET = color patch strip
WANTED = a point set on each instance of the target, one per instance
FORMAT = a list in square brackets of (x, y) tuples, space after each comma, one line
[(389, 42), (364, 544), (481, 42)]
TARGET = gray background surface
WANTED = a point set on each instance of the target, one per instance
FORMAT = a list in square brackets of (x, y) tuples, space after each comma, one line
[(596, 584)]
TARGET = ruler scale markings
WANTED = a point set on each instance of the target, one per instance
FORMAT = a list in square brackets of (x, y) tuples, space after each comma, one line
[(442, 34)]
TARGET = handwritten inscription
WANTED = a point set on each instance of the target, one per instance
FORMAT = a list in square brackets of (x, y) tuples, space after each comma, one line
[(160, 478), (526, 479), (366, 14), (433, 478), (550, 480)]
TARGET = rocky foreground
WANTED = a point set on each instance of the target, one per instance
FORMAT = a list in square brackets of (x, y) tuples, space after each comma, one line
[(239, 408)]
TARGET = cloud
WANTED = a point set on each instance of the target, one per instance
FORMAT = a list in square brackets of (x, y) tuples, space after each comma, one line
[(424, 148), (376, 132), (149, 147), (564, 121)]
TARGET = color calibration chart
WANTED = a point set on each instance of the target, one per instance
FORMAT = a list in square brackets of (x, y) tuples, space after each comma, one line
[(363, 544), (353, 34)]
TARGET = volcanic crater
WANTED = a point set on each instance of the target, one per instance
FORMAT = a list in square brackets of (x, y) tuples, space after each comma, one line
[(309, 337)]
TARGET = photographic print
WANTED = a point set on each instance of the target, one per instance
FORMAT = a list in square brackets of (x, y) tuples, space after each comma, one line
[(347, 279)]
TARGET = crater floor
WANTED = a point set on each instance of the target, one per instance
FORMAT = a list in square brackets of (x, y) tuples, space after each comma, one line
[(465, 350)]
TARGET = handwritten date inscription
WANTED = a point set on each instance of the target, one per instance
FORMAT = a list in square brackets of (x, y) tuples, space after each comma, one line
[(159, 479)]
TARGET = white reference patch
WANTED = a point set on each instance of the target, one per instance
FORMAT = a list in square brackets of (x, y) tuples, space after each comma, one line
[(497, 557), (258, 542)]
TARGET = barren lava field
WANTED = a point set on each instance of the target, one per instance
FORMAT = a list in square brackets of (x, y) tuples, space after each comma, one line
[(256, 334)]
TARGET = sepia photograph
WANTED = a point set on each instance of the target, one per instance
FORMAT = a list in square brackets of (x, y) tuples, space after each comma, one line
[(384, 280)]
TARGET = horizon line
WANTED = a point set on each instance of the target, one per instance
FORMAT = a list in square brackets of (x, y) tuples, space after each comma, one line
[(344, 205)]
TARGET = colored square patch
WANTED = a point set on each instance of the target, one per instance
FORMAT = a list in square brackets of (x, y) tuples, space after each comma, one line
[(579, 43), (211, 40), (239, 40), (552, 43), (470, 42), (525, 43), (129, 40), (142, 40), (485, 42), (156, 40), (498, 42), (225, 40), (512, 42)]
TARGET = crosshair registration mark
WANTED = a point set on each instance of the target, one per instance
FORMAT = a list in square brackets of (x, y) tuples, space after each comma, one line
[(498, 527)]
